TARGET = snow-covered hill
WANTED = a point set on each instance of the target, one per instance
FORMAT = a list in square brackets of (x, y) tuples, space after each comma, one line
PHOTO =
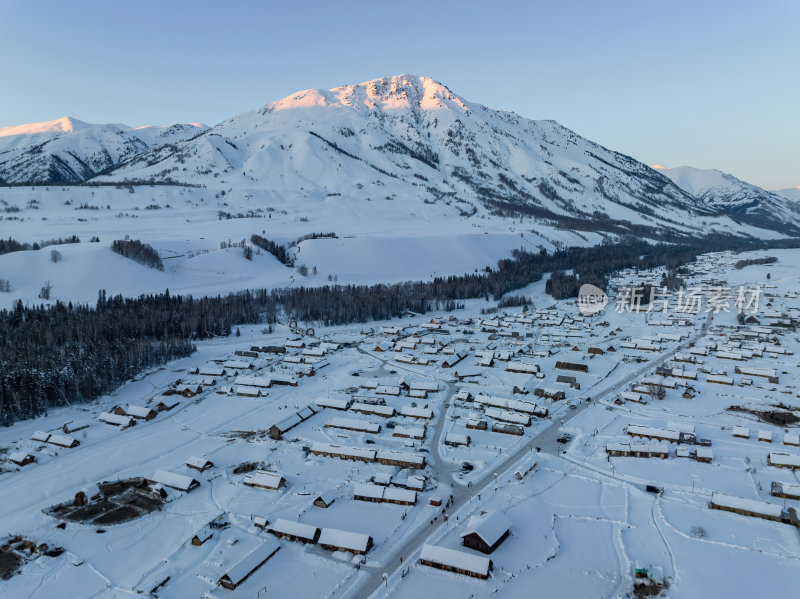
[(723, 193), (70, 151), (410, 139), (790, 193)]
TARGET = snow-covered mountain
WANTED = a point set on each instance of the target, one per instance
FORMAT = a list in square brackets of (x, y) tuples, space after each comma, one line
[(410, 139), (790, 193), (70, 151), (723, 193)]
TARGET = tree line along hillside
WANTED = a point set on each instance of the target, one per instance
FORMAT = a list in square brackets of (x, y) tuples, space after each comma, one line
[(64, 353)]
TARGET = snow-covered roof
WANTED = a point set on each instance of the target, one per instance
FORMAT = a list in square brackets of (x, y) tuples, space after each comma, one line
[(777, 458), (343, 450), (18, 456), (115, 419), (412, 432), (295, 529), (252, 560), (750, 505), (508, 416), (368, 490), (253, 381), (430, 386), (354, 541), (174, 480), (401, 456), (416, 412), (456, 439), (705, 452), (197, 462), (371, 409), (402, 495), (489, 527), (247, 390), (456, 559), (328, 402), (651, 431), (355, 424), (138, 411), (263, 478)]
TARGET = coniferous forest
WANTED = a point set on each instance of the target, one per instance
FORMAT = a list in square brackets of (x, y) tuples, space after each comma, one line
[(64, 353)]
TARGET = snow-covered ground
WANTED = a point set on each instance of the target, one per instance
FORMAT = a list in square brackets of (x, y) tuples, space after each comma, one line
[(544, 487), (388, 244)]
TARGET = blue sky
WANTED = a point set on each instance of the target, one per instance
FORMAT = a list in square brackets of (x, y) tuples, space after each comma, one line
[(707, 83)]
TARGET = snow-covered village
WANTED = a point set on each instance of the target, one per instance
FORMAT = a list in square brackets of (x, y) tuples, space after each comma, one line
[(379, 340)]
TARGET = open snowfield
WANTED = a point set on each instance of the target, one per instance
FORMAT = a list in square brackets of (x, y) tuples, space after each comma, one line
[(581, 520), (394, 244)]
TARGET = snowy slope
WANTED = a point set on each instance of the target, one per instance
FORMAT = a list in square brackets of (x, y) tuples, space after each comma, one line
[(70, 151), (410, 139), (791, 193), (724, 193)]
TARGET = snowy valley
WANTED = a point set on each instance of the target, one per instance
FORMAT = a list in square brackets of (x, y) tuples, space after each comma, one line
[(450, 446)]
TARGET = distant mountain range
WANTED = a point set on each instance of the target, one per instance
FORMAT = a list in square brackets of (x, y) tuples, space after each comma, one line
[(70, 151), (403, 139), (745, 202)]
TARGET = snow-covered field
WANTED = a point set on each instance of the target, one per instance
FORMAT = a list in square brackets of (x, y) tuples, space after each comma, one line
[(389, 244), (461, 367)]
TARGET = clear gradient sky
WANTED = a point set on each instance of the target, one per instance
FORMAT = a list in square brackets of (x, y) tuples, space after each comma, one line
[(708, 83)]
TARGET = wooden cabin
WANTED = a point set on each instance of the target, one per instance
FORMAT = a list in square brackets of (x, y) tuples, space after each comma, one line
[(263, 479), (174, 480), (199, 464), (165, 405), (295, 531), (453, 560), (251, 562), (21, 458), (573, 366), (205, 533), (324, 501), (486, 533), (342, 540)]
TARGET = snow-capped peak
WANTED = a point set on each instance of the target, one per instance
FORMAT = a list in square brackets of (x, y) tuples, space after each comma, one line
[(397, 92), (66, 124)]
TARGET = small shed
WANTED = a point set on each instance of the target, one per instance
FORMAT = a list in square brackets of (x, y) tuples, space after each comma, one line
[(21, 458), (741, 432), (165, 405), (325, 500), (456, 439), (476, 424), (199, 464), (704, 454)]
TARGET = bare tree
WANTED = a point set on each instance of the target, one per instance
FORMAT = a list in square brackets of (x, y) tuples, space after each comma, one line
[(44, 293)]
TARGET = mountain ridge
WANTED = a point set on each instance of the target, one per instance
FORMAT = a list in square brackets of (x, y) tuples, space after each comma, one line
[(411, 139)]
